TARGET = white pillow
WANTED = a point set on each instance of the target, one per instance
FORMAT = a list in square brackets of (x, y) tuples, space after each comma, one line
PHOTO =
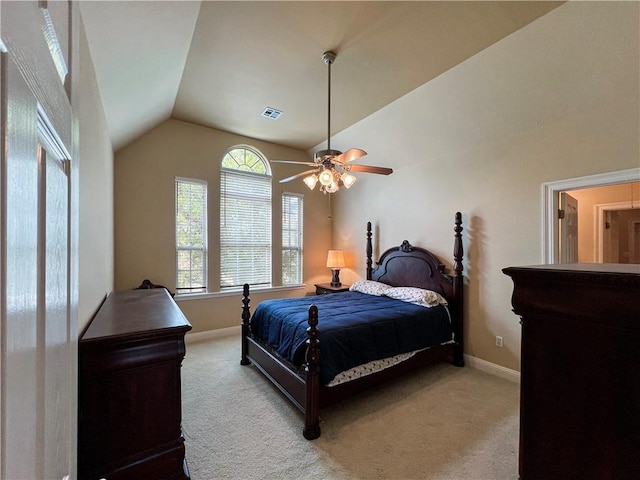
[(370, 287), (419, 296)]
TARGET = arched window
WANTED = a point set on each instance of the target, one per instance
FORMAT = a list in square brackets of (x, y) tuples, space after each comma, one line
[(245, 219)]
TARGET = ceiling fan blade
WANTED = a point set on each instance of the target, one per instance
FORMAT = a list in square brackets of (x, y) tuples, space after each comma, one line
[(293, 161), (301, 174), (370, 169), (349, 155)]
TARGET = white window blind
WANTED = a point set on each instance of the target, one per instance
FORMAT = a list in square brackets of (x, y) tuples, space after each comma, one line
[(191, 235), (292, 239), (245, 229)]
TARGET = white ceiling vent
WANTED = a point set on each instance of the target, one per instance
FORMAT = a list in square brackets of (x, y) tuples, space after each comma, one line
[(272, 113)]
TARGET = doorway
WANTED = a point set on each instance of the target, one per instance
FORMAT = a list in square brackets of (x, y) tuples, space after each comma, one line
[(618, 233), (626, 186)]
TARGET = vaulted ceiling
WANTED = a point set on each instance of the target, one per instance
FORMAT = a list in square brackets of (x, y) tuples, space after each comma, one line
[(220, 64)]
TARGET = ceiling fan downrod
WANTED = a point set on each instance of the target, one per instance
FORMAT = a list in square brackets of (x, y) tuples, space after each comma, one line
[(329, 57)]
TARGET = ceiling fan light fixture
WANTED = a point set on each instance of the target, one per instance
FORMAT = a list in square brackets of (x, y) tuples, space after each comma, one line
[(331, 188), (332, 167), (310, 181), (326, 177), (347, 179)]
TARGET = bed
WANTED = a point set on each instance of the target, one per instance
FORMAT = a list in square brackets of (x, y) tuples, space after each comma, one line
[(299, 343)]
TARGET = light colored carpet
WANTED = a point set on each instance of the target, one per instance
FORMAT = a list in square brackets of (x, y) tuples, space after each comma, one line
[(440, 423)]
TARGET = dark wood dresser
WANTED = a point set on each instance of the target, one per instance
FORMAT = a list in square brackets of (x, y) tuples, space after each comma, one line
[(580, 370), (129, 395)]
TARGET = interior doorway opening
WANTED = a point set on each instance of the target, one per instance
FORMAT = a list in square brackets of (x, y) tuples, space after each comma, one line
[(618, 234), (595, 195)]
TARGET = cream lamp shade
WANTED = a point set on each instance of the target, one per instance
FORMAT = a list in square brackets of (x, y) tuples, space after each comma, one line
[(335, 261)]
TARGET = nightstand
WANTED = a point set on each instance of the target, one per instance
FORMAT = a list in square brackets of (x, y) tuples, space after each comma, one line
[(324, 288)]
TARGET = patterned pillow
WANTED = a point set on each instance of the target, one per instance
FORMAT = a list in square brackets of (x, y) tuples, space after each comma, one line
[(370, 287), (419, 296)]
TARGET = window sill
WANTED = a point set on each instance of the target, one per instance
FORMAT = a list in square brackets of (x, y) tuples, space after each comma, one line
[(235, 292)]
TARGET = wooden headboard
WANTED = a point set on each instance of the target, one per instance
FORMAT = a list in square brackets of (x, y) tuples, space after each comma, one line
[(409, 266)]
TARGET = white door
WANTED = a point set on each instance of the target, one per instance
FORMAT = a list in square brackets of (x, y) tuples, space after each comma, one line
[(55, 340), (37, 343), (568, 220), (20, 399)]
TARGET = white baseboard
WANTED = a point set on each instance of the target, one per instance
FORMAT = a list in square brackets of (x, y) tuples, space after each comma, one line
[(211, 334), (492, 368)]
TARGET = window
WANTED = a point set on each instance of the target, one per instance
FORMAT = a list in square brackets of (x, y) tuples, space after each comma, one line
[(191, 235), (245, 219), (292, 209)]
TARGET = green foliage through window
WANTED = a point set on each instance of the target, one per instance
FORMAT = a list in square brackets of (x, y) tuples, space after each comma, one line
[(191, 235), (245, 160), (292, 258)]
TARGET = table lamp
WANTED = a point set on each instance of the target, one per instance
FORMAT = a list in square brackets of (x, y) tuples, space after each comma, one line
[(335, 261)]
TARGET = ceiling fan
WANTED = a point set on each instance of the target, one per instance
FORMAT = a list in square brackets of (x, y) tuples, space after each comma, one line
[(332, 168)]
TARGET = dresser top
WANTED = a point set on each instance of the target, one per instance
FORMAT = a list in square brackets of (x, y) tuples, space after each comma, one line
[(134, 312), (595, 271), (600, 294), (624, 268)]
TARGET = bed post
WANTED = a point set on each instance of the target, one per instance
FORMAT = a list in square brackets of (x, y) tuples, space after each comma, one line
[(312, 368), (369, 251), (246, 315), (458, 357)]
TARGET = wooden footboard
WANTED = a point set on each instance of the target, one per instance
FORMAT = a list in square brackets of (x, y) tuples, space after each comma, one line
[(304, 392)]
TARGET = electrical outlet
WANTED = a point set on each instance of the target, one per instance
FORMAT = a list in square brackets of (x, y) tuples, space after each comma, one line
[(499, 342)]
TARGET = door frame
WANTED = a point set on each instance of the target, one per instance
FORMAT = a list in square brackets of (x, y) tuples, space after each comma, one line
[(550, 203), (632, 240)]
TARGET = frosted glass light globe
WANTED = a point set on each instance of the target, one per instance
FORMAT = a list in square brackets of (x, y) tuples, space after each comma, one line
[(326, 177)]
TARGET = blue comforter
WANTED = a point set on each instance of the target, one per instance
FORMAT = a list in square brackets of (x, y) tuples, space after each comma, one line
[(355, 328)]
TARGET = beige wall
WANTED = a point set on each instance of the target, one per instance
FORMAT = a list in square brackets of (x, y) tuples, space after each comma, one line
[(557, 99), (144, 210), (587, 221), (95, 244)]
